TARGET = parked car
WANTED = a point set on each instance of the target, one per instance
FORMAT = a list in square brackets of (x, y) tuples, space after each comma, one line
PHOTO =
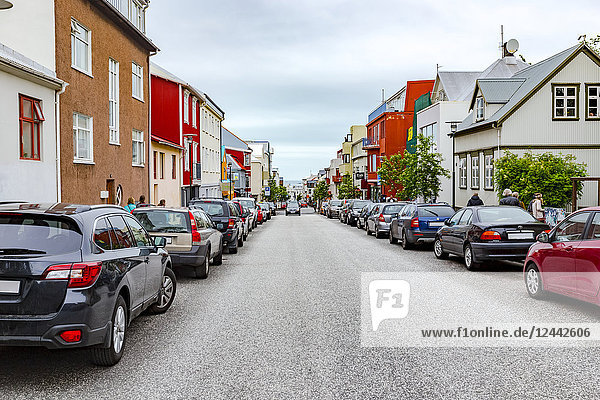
[(361, 220), (250, 204), (292, 208), (303, 204), (419, 223), (343, 211), (266, 210), (273, 208), (380, 217), (76, 276), (227, 219), (354, 208), (246, 223), (334, 208), (565, 260), (191, 238), (483, 233), (323, 208)]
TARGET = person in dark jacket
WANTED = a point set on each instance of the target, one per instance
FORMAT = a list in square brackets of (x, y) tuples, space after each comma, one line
[(508, 199), (475, 200)]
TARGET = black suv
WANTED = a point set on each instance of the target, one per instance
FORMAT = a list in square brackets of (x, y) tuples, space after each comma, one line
[(227, 219), (75, 276)]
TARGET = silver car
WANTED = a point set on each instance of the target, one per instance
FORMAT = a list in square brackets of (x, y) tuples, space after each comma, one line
[(380, 218), (249, 203), (334, 208)]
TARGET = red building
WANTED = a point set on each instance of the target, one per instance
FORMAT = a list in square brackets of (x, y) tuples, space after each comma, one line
[(387, 129)]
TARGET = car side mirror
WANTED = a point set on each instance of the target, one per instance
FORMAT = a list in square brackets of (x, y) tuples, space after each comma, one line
[(395, 215), (543, 237), (160, 241), (447, 222)]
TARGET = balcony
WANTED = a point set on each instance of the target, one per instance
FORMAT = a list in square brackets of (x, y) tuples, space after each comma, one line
[(372, 176), (370, 143)]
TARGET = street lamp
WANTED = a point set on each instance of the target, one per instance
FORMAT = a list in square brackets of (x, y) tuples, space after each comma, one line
[(452, 134), (229, 175), (190, 138)]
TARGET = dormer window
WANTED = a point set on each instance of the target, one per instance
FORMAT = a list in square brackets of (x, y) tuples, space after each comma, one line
[(479, 108), (565, 104)]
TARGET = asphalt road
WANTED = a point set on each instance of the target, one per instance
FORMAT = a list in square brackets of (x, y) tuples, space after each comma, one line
[(281, 320)]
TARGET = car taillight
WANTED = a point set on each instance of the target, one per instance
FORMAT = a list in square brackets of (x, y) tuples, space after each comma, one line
[(79, 275), (196, 239), (414, 223), (71, 336), (231, 223), (243, 219), (547, 230), (381, 218), (490, 235)]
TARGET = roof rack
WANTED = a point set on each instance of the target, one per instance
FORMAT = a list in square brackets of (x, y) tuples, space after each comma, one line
[(98, 206)]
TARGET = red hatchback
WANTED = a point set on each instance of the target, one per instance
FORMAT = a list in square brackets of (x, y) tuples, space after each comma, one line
[(567, 260)]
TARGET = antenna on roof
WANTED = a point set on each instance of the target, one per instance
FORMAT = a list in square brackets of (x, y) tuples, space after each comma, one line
[(501, 45), (383, 95)]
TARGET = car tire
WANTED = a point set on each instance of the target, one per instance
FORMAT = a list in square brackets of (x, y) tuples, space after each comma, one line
[(533, 282), (377, 235), (367, 229), (218, 259), (246, 236), (358, 223), (168, 288), (393, 240), (240, 240), (202, 271), (108, 356), (233, 250), (438, 250), (470, 263), (404, 241)]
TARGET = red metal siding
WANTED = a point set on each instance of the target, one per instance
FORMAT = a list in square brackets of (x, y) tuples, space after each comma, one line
[(165, 109)]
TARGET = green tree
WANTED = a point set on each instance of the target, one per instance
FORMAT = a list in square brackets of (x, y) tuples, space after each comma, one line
[(347, 190), (414, 175), (546, 173), (593, 42), (321, 191)]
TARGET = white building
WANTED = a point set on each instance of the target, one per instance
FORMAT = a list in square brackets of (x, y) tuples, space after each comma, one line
[(211, 118), (551, 106), (262, 167)]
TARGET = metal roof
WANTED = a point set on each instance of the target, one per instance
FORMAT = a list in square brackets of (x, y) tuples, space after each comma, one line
[(17, 60), (229, 139), (458, 84), (498, 90)]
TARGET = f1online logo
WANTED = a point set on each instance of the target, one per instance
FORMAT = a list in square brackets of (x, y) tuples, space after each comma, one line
[(389, 299)]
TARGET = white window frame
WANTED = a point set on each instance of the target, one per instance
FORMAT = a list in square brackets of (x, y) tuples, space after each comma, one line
[(475, 171), (186, 155), (194, 103), (489, 171), (77, 131), (113, 101), (186, 107), (75, 27), (479, 108), (137, 19), (137, 73), (565, 99), (589, 97), (137, 139), (462, 172)]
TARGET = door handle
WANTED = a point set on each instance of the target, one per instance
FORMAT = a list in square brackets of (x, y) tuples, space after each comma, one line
[(147, 259), (568, 248)]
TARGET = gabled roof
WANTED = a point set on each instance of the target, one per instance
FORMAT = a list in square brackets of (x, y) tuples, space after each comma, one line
[(458, 84), (532, 77), (231, 160), (230, 139), (496, 90)]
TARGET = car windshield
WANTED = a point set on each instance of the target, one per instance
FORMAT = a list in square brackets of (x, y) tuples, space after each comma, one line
[(22, 234), (435, 211), (212, 209), (246, 203), (163, 220), (292, 204), (504, 215), (335, 203), (357, 205), (392, 209)]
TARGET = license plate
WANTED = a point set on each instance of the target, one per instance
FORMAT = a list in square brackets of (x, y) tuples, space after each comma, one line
[(520, 235), (169, 240), (10, 287), (434, 223)]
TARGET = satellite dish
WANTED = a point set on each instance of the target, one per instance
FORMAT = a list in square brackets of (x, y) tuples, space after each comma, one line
[(512, 46)]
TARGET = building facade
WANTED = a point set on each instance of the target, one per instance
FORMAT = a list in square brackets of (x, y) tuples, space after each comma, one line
[(238, 171)]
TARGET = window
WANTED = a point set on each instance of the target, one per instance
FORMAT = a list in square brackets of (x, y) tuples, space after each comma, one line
[(154, 163), (593, 101), (489, 171), (571, 228), (123, 237), (113, 101), (455, 218), (141, 238), (431, 131), (194, 112), (186, 107), (174, 166), (462, 172), (594, 231), (475, 171), (186, 157), (102, 234), (565, 101), (137, 140), (136, 15), (376, 133), (81, 47), (30, 122), (137, 81), (381, 130), (246, 160), (82, 138), (479, 108), (466, 217), (162, 165)]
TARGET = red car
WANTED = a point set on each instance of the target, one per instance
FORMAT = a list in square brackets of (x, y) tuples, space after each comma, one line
[(259, 216), (567, 260)]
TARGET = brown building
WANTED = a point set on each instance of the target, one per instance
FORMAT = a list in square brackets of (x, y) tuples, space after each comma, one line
[(103, 54)]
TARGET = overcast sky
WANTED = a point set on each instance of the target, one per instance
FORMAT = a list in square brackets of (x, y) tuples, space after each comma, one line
[(299, 73)]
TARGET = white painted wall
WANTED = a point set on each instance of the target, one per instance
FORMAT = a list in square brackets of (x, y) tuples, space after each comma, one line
[(26, 180), (36, 40), (210, 152)]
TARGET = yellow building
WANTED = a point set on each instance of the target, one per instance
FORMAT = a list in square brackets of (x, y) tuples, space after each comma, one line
[(165, 173)]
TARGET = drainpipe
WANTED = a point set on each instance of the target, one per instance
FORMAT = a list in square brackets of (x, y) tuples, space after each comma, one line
[(498, 129), (57, 133)]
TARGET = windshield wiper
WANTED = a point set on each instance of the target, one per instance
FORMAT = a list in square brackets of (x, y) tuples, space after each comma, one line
[(8, 250)]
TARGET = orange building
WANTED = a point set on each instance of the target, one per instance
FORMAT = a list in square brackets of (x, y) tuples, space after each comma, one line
[(387, 129)]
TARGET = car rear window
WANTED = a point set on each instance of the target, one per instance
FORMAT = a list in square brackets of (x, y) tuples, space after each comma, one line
[(435, 211), (392, 209), (293, 204), (336, 202), (163, 220), (503, 215), (26, 234), (212, 209), (359, 204), (246, 202)]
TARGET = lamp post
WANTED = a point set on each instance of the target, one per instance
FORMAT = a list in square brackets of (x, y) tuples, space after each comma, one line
[(452, 134), (230, 176), (190, 138)]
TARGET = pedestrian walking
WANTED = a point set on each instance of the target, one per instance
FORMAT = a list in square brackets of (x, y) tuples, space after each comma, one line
[(516, 196), (508, 199), (130, 204), (142, 200), (162, 203), (475, 200), (538, 208)]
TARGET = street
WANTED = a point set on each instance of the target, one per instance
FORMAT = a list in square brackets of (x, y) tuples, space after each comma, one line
[(281, 320)]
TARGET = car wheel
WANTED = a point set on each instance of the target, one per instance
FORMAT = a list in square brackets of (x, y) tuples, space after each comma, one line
[(358, 223), (377, 232), (393, 240), (246, 236), (367, 229), (404, 241), (470, 262), (201, 271), (533, 282), (241, 240), (166, 294), (233, 250), (107, 356), (438, 250), (218, 259)]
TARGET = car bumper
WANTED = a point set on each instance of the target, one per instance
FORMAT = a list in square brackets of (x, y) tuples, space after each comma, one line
[(500, 251), (334, 213), (383, 226), (193, 257), (421, 236)]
